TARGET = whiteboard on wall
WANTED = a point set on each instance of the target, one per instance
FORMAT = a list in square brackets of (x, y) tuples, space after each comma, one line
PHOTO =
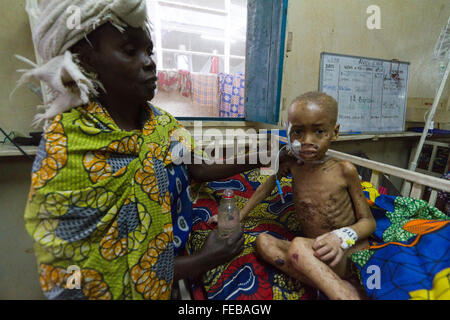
[(371, 93)]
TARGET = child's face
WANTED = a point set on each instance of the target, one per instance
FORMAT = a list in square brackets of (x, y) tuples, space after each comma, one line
[(124, 64), (313, 128)]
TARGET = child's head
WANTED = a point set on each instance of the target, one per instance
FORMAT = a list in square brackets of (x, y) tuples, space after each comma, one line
[(312, 117)]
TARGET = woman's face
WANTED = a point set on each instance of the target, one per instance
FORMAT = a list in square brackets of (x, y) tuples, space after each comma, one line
[(123, 62)]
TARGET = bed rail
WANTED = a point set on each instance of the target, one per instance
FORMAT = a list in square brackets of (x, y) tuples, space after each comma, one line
[(419, 181)]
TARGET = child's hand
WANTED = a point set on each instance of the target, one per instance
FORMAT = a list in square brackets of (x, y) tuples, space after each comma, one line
[(213, 220), (327, 248)]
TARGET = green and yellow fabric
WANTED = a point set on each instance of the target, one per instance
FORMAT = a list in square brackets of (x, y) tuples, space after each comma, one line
[(99, 201)]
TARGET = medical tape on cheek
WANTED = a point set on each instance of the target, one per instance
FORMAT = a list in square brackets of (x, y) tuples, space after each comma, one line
[(296, 146)]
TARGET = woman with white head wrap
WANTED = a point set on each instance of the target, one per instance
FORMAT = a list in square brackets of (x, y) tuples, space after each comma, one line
[(109, 198), (53, 37)]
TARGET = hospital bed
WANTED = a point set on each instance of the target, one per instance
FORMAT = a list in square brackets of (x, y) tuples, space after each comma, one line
[(425, 233)]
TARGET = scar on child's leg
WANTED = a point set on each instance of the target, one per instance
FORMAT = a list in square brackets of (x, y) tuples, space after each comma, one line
[(279, 262)]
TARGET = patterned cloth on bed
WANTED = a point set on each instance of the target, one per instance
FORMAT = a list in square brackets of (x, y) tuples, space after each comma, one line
[(247, 277), (416, 267)]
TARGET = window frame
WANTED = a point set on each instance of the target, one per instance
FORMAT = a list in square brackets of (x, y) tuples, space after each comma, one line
[(265, 58), (227, 41), (272, 13)]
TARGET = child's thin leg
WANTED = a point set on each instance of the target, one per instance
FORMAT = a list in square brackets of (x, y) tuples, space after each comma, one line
[(324, 278), (275, 252)]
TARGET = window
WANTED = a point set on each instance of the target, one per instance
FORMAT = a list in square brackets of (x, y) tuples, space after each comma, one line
[(235, 37)]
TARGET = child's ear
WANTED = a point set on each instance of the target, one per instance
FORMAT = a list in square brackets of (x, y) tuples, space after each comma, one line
[(335, 132)]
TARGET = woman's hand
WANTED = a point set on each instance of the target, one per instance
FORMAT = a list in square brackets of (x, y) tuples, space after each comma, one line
[(327, 248), (217, 250), (285, 168), (286, 156), (286, 161)]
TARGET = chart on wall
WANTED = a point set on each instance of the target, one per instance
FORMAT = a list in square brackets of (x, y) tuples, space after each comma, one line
[(371, 93)]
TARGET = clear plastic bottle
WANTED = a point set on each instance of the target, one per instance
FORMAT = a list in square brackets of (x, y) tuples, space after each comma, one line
[(228, 215)]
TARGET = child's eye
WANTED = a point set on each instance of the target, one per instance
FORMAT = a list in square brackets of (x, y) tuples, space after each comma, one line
[(320, 131)]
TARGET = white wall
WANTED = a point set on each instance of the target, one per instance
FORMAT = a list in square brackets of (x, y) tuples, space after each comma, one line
[(15, 38), (409, 32)]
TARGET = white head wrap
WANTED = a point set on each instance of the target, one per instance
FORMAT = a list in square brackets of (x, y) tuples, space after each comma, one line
[(53, 36)]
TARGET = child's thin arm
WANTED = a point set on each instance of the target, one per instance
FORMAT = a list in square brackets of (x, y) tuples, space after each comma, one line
[(261, 193), (365, 224)]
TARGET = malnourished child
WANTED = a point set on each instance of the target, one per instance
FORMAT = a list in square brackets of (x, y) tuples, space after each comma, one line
[(331, 207)]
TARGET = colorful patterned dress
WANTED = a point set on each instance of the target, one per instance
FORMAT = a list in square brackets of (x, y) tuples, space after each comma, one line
[(109, 209)]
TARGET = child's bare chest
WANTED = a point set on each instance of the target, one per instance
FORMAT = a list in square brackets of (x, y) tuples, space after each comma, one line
[(321, 199), (319, 182)]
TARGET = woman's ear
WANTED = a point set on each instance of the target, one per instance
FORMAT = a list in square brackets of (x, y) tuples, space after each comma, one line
[(86, 55)]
